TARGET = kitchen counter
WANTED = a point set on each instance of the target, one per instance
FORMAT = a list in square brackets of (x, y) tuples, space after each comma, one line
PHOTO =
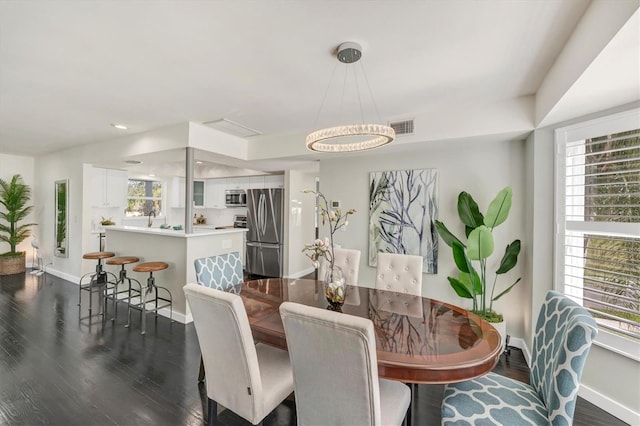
[(198, 231), (176, 248)]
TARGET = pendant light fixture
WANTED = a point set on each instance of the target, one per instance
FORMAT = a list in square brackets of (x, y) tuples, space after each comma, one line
[(350, 137)]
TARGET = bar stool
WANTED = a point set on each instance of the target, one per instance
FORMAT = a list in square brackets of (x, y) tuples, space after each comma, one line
[(97, 281), (112, 291), (159, 301)]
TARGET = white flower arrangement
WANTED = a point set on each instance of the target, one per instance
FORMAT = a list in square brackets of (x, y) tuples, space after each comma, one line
[(337, 219)]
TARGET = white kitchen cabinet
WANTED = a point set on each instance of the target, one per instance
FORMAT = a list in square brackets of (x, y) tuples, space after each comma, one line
[(266, 181), (199, 194), (273, 181), (215, 193), (109, 188), (177, 193), (256, 182), (239, 182)]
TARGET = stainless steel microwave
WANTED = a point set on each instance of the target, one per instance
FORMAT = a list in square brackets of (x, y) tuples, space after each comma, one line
[(235, 198)]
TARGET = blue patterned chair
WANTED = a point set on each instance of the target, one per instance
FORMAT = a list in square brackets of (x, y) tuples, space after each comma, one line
[(564, 334), (222, 272)]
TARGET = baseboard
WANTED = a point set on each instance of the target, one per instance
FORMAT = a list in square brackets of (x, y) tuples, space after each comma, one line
[(519, 343), (301, 274), (177, 316), (63, 275), (609, 405), (165, 312)]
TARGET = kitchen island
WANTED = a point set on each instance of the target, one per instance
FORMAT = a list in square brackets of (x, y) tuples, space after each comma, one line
[(176, 248)]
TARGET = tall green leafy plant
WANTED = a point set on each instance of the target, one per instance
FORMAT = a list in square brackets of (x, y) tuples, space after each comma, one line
[(471, 258), (14, 196)]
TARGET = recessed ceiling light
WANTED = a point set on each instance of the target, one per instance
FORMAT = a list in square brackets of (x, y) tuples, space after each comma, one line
[(198, 162), (152, 175), (119, 126)]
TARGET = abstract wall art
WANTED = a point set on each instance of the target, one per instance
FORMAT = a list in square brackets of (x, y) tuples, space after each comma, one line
[(403, 208)]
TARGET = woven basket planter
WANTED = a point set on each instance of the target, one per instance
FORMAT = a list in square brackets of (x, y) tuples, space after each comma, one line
[(10, 265)]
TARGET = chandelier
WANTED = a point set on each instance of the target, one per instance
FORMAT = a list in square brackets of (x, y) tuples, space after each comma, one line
[(350, 137)]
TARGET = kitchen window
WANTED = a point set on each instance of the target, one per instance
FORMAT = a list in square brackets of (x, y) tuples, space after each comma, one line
[(598, 224), (143, 197)]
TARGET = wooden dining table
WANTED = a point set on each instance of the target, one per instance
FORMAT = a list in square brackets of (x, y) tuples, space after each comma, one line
[(418, 339)]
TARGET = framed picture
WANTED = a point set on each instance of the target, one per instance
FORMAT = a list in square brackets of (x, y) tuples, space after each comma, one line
[(61, 208), (403, 208)]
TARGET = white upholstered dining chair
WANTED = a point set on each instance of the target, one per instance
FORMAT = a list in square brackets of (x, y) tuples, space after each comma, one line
[(348, 260), (399, 272), (250, 380), (222, 272), (335, 370)]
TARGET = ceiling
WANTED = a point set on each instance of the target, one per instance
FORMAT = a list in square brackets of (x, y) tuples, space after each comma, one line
[(69, 69)]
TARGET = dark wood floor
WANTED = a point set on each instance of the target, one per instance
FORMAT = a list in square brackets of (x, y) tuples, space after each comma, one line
[(55, 369)]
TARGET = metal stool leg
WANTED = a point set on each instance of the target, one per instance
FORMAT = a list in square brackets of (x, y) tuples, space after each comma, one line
[(99, 277), (151, 295), (130, 305), (150, 287)]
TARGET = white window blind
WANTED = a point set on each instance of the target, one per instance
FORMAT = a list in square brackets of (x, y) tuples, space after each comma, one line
[(598, 220)]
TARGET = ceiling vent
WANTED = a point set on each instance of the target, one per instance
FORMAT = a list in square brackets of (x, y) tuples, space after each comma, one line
[(232, 128), (402, 127)]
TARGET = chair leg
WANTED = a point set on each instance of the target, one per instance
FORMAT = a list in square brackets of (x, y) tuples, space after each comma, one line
[(212, 411), (201, 372), (408, 419)]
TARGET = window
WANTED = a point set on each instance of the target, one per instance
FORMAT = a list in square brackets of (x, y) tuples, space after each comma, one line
[(143, 197), (598, 222)]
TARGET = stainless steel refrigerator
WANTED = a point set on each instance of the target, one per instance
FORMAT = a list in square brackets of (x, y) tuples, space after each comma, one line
[(265, 226)]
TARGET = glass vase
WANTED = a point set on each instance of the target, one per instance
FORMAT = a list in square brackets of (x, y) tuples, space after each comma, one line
[(334, 289)]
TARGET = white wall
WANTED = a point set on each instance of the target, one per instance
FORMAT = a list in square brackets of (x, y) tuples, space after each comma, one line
[(481, 169), (24, 166), (301, 211), (48, 169), (609, 380), (502, 119), (75, 164)]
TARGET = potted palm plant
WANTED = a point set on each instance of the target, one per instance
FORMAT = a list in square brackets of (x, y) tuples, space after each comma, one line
[(14, 196), (471, 258)]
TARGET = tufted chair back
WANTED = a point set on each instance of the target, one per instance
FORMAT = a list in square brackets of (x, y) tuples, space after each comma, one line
[(222, 272), (564, 334), (399, 272), (348, 260)]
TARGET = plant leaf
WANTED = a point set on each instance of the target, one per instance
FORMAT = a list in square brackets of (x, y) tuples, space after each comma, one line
[(506, 291), (498, 208), (468, 210), (480, 244), (460, 288), (460, 257), (473, 284), (510, 257), (467, 231), (446, 235)]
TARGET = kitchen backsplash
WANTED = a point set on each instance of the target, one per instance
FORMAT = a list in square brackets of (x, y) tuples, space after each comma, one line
[(175, 216)]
